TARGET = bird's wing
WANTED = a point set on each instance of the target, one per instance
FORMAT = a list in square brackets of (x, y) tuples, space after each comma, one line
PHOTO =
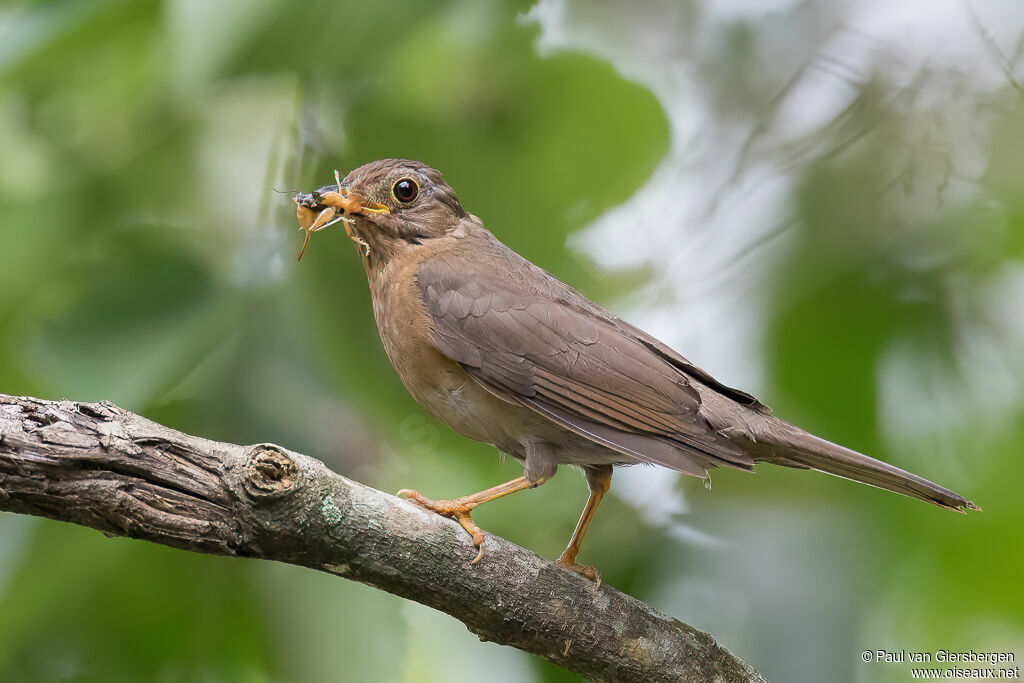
[(677, 359), (580, 370)]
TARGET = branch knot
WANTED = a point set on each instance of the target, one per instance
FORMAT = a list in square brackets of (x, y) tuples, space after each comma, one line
[(269, 471)]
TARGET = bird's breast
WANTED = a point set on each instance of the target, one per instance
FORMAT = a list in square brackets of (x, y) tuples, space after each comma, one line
[(439, 384)]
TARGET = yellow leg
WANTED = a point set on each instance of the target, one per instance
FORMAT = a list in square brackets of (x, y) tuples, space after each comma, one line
[(599, 478), (460, 508)]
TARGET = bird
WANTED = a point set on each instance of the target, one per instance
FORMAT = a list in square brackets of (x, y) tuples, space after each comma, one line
[(505, 353)]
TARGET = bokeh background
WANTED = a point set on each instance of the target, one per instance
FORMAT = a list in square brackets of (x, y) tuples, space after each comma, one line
[(822, 202)]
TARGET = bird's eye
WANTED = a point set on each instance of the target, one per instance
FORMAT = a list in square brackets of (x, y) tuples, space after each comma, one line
[(405, 190)]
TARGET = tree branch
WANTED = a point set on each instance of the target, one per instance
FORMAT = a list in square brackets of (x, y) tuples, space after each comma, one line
[(97, 465)]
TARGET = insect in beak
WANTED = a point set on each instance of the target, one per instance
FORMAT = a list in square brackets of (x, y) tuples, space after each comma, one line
[(332, 202)]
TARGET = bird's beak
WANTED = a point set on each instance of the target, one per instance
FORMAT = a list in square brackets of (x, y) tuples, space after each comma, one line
[(330, 204), (331, 201)]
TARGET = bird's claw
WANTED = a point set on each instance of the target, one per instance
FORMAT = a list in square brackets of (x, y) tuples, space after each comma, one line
[(582, 569), (454, 509)]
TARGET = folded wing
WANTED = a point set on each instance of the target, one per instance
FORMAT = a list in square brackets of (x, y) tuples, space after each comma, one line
[(580, 370)]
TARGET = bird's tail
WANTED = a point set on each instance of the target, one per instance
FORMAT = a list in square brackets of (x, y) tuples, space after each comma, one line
[(801, 449)]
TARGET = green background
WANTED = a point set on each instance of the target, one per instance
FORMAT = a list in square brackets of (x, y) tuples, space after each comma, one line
[(145, 259)]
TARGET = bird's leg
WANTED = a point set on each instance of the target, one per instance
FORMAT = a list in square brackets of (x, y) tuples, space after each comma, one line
[(599, 479), (460, 508)]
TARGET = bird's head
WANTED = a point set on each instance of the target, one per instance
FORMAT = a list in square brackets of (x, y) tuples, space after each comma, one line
[(385, 205)]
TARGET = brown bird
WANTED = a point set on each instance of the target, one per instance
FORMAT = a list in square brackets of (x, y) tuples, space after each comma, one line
[(505, 353)]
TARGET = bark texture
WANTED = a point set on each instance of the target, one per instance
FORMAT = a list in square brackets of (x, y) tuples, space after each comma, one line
[(97, 465)]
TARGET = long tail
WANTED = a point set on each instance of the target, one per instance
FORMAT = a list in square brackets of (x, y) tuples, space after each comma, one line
[(797, 448)]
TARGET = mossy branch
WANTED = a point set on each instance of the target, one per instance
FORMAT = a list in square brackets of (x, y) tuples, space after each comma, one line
[(97, 465)]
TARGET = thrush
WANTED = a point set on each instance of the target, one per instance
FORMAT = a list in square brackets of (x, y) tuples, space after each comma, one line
[(505, 353)]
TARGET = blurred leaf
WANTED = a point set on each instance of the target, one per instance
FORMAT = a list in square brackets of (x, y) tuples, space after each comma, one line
[(131, 612), (142, 314)]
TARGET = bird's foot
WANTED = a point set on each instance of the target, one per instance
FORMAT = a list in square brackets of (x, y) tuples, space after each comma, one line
[(457, 509), (582, 569)]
